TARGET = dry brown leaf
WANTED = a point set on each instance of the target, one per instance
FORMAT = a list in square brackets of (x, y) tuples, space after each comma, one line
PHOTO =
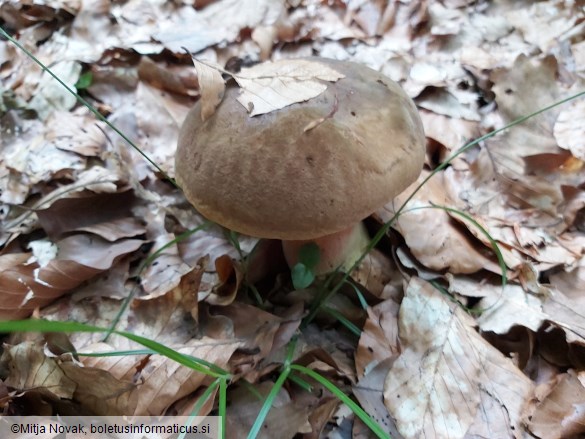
[(326, 352), (256, 329), (175, 79), (430, 234), (379, 339), (92, 210), (435, 386), (123, 385), (143, 384), (561, 413), (285, 418), (369, 391), (512, 306), (25, 13), (320, 416), (452, 133), (571, 281), (30, 369), (28, 284), (274, 85), (78, 132), (165, 272), (211, 85), (378, 274)]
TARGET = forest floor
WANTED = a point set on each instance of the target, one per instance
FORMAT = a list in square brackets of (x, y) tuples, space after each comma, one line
[(467, 319)]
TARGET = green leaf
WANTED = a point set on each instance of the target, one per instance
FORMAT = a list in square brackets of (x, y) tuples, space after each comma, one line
[(309, 255), (303, 273), (302, 276), (84, 81)]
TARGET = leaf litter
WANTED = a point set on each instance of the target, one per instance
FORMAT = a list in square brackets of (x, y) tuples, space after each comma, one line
[(444, 351)]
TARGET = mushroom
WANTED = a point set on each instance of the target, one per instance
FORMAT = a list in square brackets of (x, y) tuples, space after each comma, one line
[(309, 172)]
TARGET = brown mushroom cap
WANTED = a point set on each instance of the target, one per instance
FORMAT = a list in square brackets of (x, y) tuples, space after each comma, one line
[(264, 176)]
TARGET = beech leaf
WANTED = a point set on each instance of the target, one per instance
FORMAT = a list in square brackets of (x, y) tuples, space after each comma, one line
[(274, 85), (211, 86)]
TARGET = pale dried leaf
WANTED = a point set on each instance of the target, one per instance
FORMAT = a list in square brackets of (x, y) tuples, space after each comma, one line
[(513, 306), (379, 339), (78, 132), (274, 85), (545, 23), (569, 129), (31, 369), (435, 385), (41, 160), (166, 271), (177, 34), (211, 85), (143, 385), (159, 116), (50, 95)]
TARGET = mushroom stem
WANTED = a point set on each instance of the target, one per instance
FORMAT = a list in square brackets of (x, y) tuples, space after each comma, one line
[(339, 249)]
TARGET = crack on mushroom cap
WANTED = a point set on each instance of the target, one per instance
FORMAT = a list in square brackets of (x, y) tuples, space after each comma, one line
[(254, 175)]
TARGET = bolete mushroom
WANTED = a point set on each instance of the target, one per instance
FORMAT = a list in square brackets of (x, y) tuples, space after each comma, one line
[(309, 172)]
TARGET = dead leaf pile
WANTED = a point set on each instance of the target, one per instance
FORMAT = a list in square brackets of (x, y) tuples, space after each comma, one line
[(426, 337)]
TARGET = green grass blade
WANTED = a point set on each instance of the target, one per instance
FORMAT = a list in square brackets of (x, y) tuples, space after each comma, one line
[(33, 325), (268, 403), (359, 412), (222, 405), (342, 319)]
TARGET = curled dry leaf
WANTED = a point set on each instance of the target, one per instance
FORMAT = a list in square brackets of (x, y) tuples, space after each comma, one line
[(77, 132), (30, 368), (379, 339), (211, 85), (166, 271), (562, 412), (25, 285), (446, 371), (274, 85), (431, 235), (223, 284)]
